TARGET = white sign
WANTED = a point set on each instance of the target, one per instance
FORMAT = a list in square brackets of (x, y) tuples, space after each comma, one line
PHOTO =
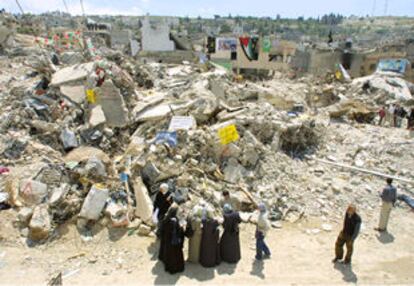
[(182, 123)]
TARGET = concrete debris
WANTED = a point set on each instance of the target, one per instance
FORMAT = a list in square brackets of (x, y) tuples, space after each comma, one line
[(113, 105), (144, 208), (90, 132), (94, 203), (33, 192), (97, 116), (73, 73), (40, 223), (74, 93), (24, 215), (144, 230)]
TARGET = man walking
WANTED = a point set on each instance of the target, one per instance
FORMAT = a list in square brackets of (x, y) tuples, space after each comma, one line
[(263, 226), (350, 231), (389, 197)]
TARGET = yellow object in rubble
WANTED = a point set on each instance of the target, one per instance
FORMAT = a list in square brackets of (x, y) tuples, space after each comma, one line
[(90, 95), (338, 75), (228, 134)]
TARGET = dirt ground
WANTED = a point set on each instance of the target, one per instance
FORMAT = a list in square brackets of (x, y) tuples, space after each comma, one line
[(302, 254)]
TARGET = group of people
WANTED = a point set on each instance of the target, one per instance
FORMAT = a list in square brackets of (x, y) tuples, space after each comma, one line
[(352, 223), (202, 228), (207, 247), (394, 115)]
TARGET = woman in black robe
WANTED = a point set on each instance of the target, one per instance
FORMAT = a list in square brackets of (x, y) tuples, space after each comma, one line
[(172, 241), (209, 249), (230, 240)]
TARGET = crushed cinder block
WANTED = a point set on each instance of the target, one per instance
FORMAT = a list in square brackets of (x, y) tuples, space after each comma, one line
[(94, 202), (40, 224)]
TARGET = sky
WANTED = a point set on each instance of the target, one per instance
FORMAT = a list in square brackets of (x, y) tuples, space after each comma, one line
[(208, 8)]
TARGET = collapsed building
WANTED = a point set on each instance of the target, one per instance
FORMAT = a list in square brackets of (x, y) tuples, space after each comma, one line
[(88, 134)]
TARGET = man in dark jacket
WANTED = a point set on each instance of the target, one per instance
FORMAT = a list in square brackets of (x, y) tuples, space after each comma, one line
[(350, 231)]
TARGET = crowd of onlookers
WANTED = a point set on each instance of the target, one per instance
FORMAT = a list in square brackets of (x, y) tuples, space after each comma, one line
[(394, 116)]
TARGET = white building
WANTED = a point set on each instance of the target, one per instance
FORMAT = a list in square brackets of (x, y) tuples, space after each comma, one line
[(155, 36)]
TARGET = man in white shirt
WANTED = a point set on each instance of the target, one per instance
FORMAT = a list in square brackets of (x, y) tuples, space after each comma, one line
[(263, 226)]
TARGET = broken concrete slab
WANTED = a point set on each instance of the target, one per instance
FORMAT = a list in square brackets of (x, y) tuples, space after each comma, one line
[(97, 116), (113, 105), (234, 172), (148, 102), (94, 202), (75, 93), (33, 192), (40, 224), (83, 153), (72, 74), (24, 215), (58, 194), (143, 209), (144, 230), (71, 58), (161, 111)]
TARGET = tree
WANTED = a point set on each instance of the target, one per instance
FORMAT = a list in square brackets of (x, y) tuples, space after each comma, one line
[(225, 28)]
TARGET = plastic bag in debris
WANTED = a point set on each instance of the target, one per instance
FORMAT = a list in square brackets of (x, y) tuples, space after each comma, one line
[(14, 149), (169, 138), (92, 136), (36, 104), (68, 139)]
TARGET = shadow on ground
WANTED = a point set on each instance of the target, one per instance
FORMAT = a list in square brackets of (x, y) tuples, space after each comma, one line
[(385, 237), (347, 272)]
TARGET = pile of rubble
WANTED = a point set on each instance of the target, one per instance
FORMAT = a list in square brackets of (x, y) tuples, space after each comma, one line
[(88, 137)]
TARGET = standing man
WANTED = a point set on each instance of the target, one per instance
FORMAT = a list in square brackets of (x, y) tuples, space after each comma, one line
[(391, 111), (162, 203), (381, 114), (350, 231), (233, 201), (263, 226), (389, 197)]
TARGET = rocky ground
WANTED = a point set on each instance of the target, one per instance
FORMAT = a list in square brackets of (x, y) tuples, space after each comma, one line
[(302, 253)]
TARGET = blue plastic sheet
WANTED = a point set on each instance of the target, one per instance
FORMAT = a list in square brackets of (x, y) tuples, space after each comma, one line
[(169, 138)]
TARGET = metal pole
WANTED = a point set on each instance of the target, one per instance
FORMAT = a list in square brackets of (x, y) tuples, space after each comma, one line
[(20, 7), (66, 6), (385, 7), (373, 8), (83, 9)]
